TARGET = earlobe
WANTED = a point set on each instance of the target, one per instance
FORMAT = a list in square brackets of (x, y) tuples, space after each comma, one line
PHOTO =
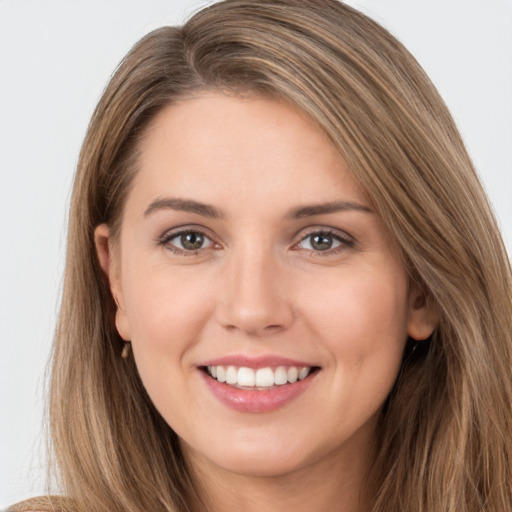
[(423, 316), (122, 325), (103, 244)]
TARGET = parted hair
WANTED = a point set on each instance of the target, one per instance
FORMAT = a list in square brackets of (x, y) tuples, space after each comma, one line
[(444, 440)]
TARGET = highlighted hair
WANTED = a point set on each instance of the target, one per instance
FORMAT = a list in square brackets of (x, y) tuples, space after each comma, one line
[(444, 441)]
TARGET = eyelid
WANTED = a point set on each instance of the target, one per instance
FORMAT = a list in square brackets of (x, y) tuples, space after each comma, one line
[(165, 239), (345, 239)]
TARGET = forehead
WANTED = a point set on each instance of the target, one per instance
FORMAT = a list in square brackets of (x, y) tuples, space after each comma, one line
[(217, 146)]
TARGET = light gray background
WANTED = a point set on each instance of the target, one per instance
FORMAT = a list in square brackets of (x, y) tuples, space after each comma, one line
[(56, 57)]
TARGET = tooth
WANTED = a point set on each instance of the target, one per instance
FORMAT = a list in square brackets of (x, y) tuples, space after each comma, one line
[(281, 376), (231, 375), (264, 378), (221, 374), (246, 377), (303, 373), (293, 374), (261, 378)]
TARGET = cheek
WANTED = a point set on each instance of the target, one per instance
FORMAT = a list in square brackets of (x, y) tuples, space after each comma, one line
[(167, 313), (166, 309), (362, 319), (361, 297)]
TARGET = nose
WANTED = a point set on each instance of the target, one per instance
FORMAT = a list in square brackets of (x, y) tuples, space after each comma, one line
[(253, 298)]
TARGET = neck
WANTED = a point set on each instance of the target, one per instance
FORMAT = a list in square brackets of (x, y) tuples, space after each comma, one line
[(331, 486)]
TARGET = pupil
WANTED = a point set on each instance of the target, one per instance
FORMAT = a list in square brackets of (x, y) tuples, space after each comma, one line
[(192, 241), (321, 242)]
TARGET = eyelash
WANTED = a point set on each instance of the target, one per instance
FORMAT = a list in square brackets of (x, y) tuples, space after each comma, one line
[(345, 242), (165, 241)]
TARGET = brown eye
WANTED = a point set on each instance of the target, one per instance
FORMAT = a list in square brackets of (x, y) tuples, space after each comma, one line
[(328, 242), (192, 241), (321, 241), (187, 243)]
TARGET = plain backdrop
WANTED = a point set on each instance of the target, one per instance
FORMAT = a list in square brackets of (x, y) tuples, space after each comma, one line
[(55, 59)]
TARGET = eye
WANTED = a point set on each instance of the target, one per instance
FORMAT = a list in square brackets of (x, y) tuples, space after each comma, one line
[(187, 242), (324, 241)]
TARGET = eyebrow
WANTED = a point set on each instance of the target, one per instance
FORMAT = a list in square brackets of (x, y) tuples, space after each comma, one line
[(324, 208), (206, 210), (183, 205)]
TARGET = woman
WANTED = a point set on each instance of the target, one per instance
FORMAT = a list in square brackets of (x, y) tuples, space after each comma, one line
[(284, 285)]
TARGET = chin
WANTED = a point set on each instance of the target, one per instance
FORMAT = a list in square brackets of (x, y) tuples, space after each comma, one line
[(261, 458)]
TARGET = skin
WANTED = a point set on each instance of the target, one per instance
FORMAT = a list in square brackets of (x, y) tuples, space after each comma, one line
[(258, 285)]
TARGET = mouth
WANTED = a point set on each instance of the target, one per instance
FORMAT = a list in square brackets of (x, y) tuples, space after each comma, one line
[(258, 379)]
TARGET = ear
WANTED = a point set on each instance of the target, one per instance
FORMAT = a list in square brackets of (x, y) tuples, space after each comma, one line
[(423, 315), (110, 265)]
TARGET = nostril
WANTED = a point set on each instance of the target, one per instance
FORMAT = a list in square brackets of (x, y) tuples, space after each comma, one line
[(275, 327)]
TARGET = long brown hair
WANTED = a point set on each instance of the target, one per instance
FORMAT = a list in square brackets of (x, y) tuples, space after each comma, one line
[(445, 436)]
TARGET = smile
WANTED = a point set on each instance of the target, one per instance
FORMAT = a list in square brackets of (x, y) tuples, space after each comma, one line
[(257, 384), (258, 379)]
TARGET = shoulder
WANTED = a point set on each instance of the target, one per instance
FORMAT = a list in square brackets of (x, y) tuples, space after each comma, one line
[(41, 504)]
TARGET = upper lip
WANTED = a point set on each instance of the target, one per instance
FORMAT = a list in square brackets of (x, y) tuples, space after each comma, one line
[(264, 361)]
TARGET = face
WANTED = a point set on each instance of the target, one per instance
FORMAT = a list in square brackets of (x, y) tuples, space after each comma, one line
[(267, 309)]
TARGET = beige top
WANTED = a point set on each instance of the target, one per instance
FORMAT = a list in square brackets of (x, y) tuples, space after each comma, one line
[(40, 504)]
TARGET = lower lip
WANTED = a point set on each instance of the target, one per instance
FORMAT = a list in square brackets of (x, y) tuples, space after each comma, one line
[(251, 400)]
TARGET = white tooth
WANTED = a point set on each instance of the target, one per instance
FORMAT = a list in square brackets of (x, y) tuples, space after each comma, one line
[(293, 374), (246, 377), (281, 376), (231, 375), (221, 374), (213, 371), (264, 378), (303, 373)]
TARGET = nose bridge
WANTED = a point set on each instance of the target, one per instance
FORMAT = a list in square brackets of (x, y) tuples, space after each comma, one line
[(253, 299)]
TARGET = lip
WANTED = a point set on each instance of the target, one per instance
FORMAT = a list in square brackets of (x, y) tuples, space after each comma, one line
[(256, 362), (252, 400)]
